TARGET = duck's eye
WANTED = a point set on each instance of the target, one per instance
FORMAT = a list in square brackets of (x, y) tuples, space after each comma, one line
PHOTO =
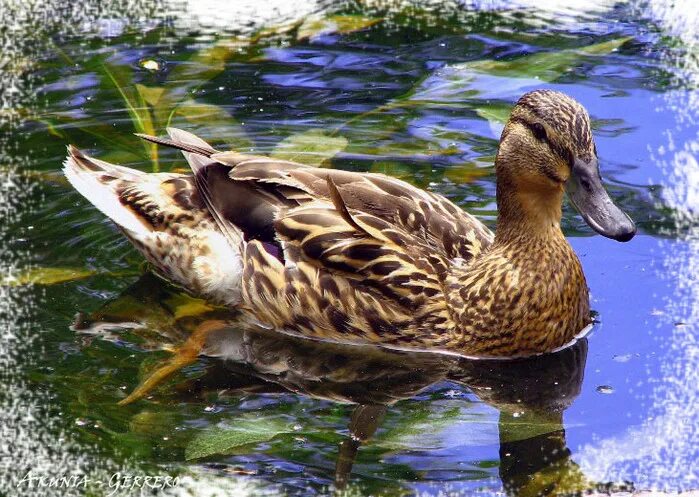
[(539, 131)]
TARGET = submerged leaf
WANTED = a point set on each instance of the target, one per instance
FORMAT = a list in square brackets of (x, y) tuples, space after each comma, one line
[(210, 120), (465, 173), (122, 79), (150, 94), (419, 428), (545, 66), (463, 83), (310, 147), (564, 475), (514, 429), (494, 112), (186, 306), (221, 440), (605, 47), (394, 169), (46, 276), (314, 27), (67, 127), (153, 423), (198, 112), (205, 64)]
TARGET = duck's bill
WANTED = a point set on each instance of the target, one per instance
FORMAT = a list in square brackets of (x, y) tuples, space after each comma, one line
[(589, 197)]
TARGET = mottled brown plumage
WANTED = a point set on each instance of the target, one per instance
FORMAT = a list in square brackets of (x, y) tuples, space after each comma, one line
[(359, 258)]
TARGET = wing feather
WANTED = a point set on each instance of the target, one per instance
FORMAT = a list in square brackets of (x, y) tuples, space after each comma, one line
[(438, 222)]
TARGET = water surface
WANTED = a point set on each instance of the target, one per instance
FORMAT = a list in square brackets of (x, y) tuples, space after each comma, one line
[(415, 93)]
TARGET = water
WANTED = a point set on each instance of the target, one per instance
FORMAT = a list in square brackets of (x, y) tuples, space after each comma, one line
[(415, 92)]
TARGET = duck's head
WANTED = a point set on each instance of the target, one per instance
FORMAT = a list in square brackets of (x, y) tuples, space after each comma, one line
[(547, 148)]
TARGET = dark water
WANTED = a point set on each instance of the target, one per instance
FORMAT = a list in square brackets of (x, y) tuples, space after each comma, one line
[(419, 94)]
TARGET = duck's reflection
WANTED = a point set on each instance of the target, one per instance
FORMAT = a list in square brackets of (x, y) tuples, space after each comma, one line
[(528, 393)]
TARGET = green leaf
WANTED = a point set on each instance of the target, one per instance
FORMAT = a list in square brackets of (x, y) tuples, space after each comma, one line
[(395, 169), (606, 47), (150, 94), (52, 129), (311, 147), (314, 27), (153, 423), (494, 112), (205, 64), (192, 73), (246, 431), (46, 276), (183, 305), (515, 429), (453, 86), (122, 79), (198, 112), (419, 427), (465, 173), (544, 66), (68, 128), (210, 120), (563, 475)]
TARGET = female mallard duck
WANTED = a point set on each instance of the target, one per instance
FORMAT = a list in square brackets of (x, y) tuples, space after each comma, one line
[(365, 258)]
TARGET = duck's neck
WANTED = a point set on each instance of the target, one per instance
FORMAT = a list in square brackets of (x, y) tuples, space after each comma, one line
[(527, 215), (527, 293)]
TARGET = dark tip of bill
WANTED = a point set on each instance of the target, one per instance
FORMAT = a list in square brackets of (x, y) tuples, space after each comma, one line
[(625, 235)]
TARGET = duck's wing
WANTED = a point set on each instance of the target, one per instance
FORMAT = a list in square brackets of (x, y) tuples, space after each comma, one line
[(432, 218), (273, 183)]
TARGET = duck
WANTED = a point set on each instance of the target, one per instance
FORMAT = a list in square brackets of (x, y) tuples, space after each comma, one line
[(364, 258)]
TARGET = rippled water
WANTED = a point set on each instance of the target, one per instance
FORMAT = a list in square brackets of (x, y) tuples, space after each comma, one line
[(418, 93)]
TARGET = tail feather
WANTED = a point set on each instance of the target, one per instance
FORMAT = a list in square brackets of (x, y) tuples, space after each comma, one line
[(164, 216), (198, 154), (195, 150), (97, 180)]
